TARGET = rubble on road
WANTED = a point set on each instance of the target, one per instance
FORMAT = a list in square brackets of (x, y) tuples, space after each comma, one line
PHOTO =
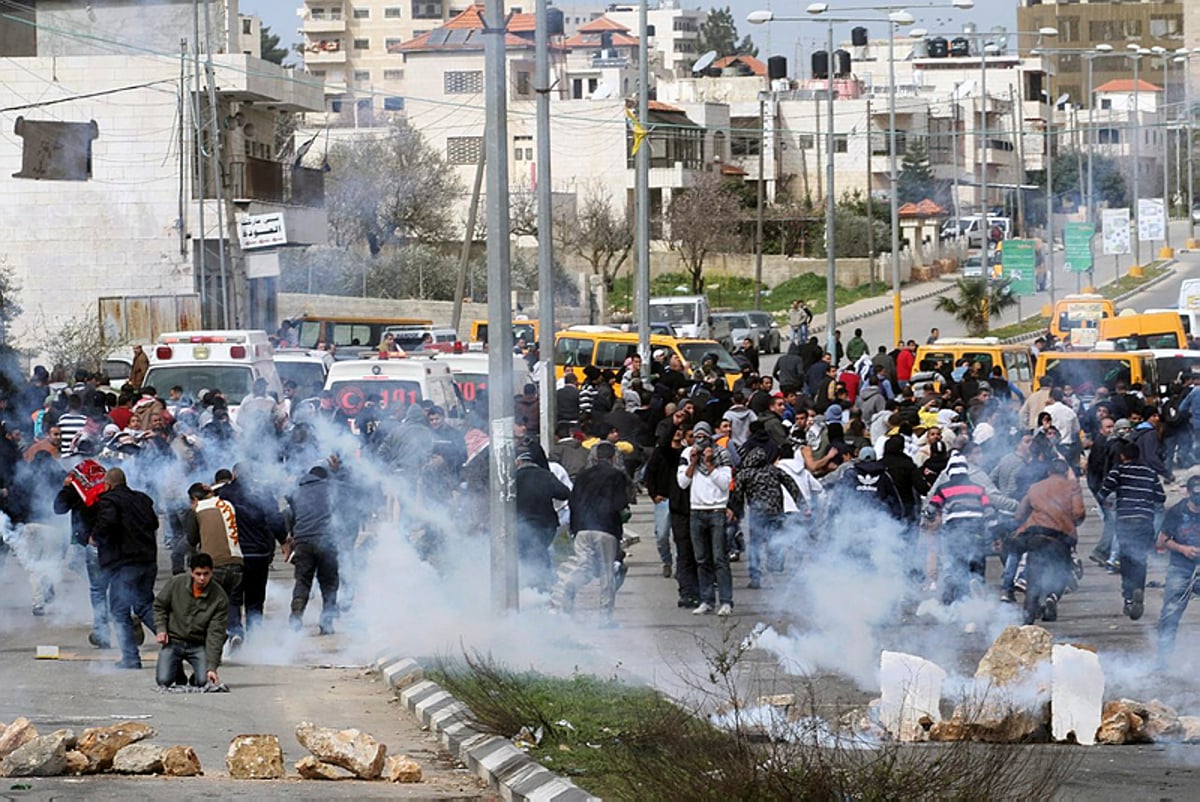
[(310, 768), (101, 744), (351, 749), (181, 761), (17, 734), (42, 756), (255, 757), (400, 769), (139, 758)]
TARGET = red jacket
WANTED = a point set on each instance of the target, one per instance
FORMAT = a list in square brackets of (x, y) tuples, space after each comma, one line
[(904, 364)]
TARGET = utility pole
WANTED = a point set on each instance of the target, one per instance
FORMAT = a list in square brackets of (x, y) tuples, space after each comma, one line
[(870, 216), (759, 201), (545, 224), (642, 204), (1019, 128), (502, 485), (830, 224), (464, 256)]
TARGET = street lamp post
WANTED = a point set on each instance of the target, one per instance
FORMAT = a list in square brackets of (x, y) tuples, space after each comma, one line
[(1090, 57), (1165, 55), (1183, 57), (1135, 54)]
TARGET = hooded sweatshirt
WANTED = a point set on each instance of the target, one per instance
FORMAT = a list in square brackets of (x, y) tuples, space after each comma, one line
[(708, 490), (740, 417), (760, 485), (310, 508)]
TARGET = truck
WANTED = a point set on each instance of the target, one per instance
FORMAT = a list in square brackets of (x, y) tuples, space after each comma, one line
[(690, 316)]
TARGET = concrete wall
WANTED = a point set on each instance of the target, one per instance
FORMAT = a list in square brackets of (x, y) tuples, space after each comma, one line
[(100, 28)]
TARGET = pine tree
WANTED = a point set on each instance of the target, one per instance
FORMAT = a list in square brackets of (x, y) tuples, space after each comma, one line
[(917, 181)]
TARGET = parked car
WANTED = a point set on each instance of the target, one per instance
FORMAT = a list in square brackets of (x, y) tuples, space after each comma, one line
[(770, 339), (740, 327), (1196, 213)]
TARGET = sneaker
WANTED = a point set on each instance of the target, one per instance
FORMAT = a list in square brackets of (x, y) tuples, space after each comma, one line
[(1008, 597), (139, 632), (704, 609), (1050, 608), (235, 642), (296, 622), (689, 604), (129, 664), (735, 556), (754, 584), (1098, 560), (1137, 605), (39, 609), (1126, 608), (725, 610), (666, 570), (325, 629), (1019, 583)]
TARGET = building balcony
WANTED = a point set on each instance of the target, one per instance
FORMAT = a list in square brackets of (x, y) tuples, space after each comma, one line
[(272, 183), (312, 26), (322, 54)]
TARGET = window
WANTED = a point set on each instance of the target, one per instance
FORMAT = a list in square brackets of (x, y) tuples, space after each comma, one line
[(393, 104), (336, 105), (421, 9), (577, 89), (391, 43), (364, 104), (247, 27), (1068, 62), (317, 74), (335, 13), (682, 46), (745, 136), (467, 82), (1106, 104), (523, 85), (393, 75), (362, 75), (463, 149), (362, 13), (362, 44), (1109, 136), (805, 141), (391, 12), (841, 143), (1166, 27), (684, 24), (573, 352), (522, 148), (1068, 29), (612, 355), (316, 13)]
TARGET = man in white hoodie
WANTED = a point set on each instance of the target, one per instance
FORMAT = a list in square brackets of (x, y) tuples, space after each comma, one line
[(705, 473)]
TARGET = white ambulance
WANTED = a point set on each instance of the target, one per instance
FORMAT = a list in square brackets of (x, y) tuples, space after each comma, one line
[(229, 361), (397, 381)]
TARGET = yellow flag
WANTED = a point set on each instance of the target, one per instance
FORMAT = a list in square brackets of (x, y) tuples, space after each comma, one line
[(639, 132)]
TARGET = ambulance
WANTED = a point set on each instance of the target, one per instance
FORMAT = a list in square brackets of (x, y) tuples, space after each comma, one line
[(396, 382), (225, 360)]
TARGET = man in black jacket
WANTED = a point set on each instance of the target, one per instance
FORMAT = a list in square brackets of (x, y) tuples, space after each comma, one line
[(537, 521), (124, 534), (312, 547), (598, 505), (260, 527)]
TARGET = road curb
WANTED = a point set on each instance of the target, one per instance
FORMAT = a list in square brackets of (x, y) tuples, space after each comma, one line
[(1168, 271), (513, 774), (885, 308)]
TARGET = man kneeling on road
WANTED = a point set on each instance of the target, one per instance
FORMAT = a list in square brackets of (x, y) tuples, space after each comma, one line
[(190, 615)]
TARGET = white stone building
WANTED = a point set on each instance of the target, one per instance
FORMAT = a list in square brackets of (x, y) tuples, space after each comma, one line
[(103, 196)]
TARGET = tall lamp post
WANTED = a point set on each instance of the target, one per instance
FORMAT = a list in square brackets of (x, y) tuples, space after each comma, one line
[(897, 16), (1090, 56), (1183, 58), (1135, 54)]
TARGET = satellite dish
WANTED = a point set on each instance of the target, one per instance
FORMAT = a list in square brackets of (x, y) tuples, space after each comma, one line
[(1063, 98), (603, 92), (704, 62)]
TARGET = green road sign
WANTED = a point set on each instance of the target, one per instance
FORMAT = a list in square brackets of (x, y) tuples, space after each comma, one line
[(1077, 240), (1019, 265)]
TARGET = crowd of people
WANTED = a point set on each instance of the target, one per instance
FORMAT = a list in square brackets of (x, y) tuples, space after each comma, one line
[(959, 466)]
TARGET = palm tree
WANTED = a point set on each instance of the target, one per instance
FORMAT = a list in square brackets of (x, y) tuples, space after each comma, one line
[(976, 301)]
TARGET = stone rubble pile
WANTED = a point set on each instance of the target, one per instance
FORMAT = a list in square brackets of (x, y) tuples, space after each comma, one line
[(117, 748), (1026, 689), (123, 749)]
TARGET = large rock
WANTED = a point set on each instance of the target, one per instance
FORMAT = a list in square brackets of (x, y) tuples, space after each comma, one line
[(1012, 688), (44, 756), (1122, 722), (139, 759), (101, 744), (181, 761), (1191, 729), (19, 733), (77, 762), (351, 749), (255, 757), (1161, 722), (911, 691), (1113, 729), (400, 769), (1076, 693), (310, 768)]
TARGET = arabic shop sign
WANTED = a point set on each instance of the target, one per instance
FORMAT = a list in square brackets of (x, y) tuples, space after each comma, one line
[(261, 230)]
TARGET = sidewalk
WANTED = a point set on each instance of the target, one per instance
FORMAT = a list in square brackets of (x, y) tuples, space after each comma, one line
[(868, 307)]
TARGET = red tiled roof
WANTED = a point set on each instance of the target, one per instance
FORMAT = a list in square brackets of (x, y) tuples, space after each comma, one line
[(756, 66), (470, 20), (732, 169), (471, 17), (1127, 85), (601, 24), (658, 105), (593, 40), (522, 23)]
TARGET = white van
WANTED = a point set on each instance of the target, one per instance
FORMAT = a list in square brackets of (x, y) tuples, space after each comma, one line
[(229, 361), (470, 371), (690, 317), (307, 367), (396, 381)]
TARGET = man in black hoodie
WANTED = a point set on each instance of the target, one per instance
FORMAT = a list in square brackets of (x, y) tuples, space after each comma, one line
[(260, 526), (537, 521), (905, 475), (124, 535)]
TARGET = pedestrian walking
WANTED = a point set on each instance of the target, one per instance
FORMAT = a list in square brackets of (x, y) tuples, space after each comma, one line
[(1180, 536), (1137, 494), (311, 547), (705, 472), (1047, 518)]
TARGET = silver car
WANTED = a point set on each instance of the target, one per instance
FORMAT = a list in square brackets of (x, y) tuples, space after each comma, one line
[(770, 338), (740, 327)]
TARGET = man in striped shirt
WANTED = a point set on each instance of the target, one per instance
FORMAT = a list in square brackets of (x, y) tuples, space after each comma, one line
[(1138, 495), (71, 423)]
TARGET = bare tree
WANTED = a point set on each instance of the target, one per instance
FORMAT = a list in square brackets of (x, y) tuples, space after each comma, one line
[(597, 234), (391, 189), (702, 219)]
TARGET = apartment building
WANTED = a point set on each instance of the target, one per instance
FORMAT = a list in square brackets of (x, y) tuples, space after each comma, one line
[(110, 193), (676, 33), (1083, 24)]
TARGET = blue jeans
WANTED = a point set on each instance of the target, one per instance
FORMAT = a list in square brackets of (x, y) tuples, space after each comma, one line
[(1136, 540), (132, 592), (712, 560), (174, 655), (762, 544), (1177, 591), (662, 530), (98, 582)]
